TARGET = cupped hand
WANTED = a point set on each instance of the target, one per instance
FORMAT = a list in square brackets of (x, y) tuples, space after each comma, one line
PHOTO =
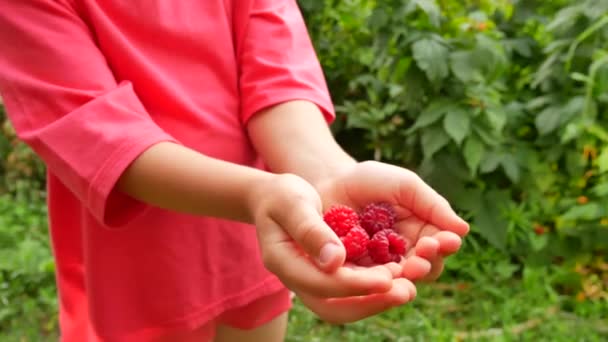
[(301, 250), (308, 257), (424, 218)]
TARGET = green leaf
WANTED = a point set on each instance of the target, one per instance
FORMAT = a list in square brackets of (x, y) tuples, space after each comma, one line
[(431, 9), (473, 152), (577, 76), (574, 106), (433, 140), (564, 19), (589, 211), (489, 56), (600, 190), (432, 57), (457, 124), (490, 162), (486, 135), (546, 70), (539, 102), (547, 120), (489, 221), (378, 18), (431, 114), (573, 130), (522, 46), (539, 242), (598, 132), (496, 118), (509, 164), (602, 160), (463, 67), (401, 69)]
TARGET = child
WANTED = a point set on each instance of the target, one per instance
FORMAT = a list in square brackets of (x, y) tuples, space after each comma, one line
[(189, 161)]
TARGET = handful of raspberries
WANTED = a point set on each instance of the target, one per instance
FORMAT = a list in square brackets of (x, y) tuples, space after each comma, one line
[(370, 232)]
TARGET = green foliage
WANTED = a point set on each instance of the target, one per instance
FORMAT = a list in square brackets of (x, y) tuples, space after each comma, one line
[(27, 287), (22, 173), (27, 283), (500, 105)]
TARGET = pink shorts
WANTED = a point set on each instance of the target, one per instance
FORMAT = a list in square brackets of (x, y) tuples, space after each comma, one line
[(249, 317)]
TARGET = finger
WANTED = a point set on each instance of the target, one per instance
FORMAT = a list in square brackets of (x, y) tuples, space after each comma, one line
[(415, 267), (434, 249), (436, 270), (394, 268), (304, 224), (298, 272), (449, 243), (410, 227), (433, 246), (427, 247), (428, 205), (346, 310), (376, 180)]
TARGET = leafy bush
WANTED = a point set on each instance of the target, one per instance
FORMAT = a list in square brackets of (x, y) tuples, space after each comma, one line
[(27, 284), (27, 287), (500, 105), (22, 173)]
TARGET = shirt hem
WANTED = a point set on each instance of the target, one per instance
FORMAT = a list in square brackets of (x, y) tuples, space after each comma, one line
[(200, 317)]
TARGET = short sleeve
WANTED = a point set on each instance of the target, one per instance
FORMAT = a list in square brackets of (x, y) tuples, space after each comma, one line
[(277, 60), (64, 102)]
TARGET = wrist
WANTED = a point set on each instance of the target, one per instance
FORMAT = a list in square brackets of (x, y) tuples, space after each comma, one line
[(255, 193), (325, 169)]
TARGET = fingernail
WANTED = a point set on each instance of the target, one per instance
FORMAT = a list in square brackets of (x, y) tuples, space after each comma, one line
[(427, 265), (328, 253)]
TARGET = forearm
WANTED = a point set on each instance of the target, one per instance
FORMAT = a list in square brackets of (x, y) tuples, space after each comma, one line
[(294, 137), (174, 177)]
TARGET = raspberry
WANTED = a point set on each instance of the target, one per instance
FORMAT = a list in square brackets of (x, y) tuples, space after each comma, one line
[(355, 243), (377, 216), (341, 219), (386, 246)]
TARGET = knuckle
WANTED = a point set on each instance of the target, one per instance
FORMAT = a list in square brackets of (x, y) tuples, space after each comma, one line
[(306, 232)]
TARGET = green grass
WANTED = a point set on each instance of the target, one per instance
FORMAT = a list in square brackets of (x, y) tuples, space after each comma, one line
[(494, 307), (523, 309), (464, 315)]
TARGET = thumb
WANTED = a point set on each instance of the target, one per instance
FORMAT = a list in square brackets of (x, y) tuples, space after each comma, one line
[(305, 225), (428, 205)]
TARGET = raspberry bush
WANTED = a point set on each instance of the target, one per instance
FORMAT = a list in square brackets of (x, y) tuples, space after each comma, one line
[(501, 105)]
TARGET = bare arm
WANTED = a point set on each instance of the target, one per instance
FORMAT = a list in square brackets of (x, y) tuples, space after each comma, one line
[(174, 177), (294, 137)]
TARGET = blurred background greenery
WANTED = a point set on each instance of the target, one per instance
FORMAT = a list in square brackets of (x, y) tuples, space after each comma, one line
[(502, 105)]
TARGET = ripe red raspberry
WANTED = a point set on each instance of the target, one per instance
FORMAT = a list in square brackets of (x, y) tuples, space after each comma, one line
[(386, 246), (377, 216), (341, 219), (355, 243)]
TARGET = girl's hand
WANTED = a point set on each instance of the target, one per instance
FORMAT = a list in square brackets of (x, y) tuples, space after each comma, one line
[(425, 219), (308, 257), (300, 249)]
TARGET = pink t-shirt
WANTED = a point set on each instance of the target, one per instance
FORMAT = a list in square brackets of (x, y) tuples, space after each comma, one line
[(89, 85)]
